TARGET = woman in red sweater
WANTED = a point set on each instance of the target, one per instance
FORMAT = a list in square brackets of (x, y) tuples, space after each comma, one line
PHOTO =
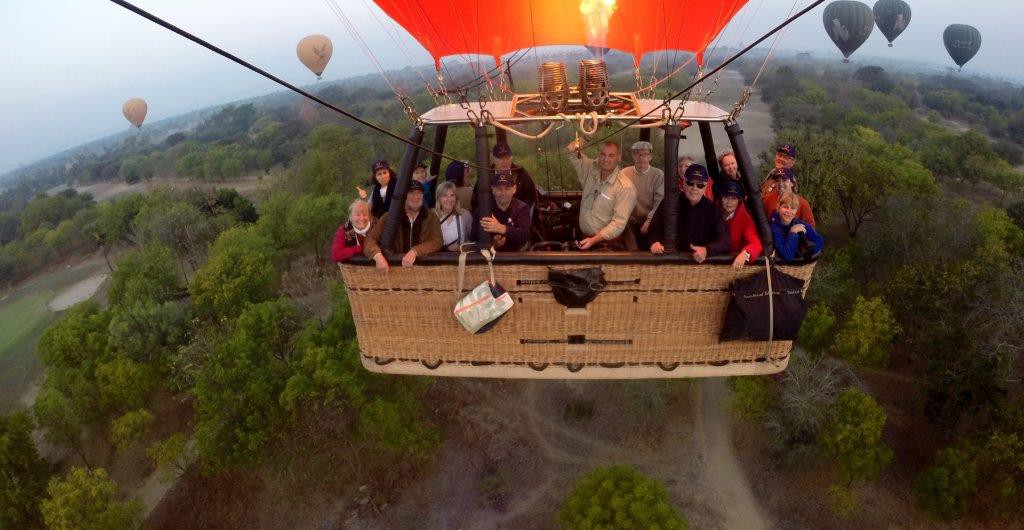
[(742, 232), (348, 240)]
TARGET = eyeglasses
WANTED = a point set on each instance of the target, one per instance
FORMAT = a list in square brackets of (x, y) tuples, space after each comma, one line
[(695, 184)]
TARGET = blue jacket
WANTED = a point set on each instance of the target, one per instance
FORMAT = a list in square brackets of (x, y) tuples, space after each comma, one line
[(787, 244)]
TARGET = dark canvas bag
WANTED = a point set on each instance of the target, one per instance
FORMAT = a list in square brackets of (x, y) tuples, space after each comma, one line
[(747, 316), (576, 288)]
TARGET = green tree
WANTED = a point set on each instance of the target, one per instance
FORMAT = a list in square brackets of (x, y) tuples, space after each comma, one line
[(867, 333), (146, 276), (942, 490), (61, 424), (113, 224), (619, 497), (751, 396), (816, 330), (171, 456), (129, 428), (177, 225), (241, 270), (147, 332), (124, 384), (853, 437), (313, 220), (87, 500), (237, 392), (23, 474)]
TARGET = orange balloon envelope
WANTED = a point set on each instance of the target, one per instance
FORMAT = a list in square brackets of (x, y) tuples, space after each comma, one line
[(315, 52), (134, 110), (458, 27)]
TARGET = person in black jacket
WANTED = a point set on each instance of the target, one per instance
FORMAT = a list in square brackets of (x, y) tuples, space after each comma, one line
[(526, 189), (701, 229), (381, 179), (509, 221)]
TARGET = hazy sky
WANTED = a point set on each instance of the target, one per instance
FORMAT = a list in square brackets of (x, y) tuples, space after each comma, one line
[(68, 65)]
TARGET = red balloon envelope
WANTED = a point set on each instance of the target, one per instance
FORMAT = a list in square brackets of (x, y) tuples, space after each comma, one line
[(498, 27)]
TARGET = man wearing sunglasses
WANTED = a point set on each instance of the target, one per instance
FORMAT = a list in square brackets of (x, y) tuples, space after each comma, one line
[(608, 197), (785, 158), (701, 230)]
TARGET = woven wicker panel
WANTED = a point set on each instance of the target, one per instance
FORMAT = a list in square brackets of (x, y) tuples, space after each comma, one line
[(647, 314)]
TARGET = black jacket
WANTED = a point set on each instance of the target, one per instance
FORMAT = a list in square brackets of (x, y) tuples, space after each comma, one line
[(701, 224), (517, 223), (379, 206)]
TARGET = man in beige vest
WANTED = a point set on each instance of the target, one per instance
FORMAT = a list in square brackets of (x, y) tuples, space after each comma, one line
[(608, 197)]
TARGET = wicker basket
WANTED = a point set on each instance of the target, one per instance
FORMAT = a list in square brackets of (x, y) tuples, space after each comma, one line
[(650, 321)]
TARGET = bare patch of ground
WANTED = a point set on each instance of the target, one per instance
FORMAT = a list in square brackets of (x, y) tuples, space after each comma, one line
[(112, 189), (76, 293)]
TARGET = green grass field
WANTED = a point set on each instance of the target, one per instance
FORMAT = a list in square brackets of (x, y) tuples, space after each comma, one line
[(23, 318)]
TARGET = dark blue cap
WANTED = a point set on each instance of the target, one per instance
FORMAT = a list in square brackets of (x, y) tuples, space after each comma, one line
[(501, 150), (503, 178), (380, 164), (696, 172), (731, 187), (421, 164), (783, 173), (455, 171), (415, 185), (787, 149)]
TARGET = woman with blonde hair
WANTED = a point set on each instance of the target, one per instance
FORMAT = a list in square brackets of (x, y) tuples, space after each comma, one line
[(455, 220), (794, 238), (348, 239)]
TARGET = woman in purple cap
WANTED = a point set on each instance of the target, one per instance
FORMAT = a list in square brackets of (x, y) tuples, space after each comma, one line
[(743, 239)]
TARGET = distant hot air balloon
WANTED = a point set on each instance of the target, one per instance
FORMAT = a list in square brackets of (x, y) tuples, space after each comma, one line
[(962, 42), (134, 110), (315, 52), (848, 24), (892, 17)]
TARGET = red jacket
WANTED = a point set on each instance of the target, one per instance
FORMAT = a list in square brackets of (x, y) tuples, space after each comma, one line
[(347, 242), (743, 233)]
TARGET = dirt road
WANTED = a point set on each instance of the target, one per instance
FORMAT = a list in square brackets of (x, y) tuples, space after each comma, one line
[(740, 509)]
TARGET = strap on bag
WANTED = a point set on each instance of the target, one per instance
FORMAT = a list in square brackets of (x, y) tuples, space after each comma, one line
[(487, 254)]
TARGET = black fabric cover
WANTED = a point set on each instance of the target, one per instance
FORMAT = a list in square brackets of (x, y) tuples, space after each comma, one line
[(746, 318), (576, 288)]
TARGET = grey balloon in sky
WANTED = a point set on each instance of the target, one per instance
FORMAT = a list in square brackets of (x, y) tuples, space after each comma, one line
[(69, 65)]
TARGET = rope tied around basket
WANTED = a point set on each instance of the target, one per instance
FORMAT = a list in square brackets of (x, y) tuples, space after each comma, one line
[(771, 312)]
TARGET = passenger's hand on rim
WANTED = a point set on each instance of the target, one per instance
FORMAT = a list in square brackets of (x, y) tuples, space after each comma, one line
[(657, 248), (645, 227), (586, 243), (409, 258), (382, 263), (740, 261), (699, 253)]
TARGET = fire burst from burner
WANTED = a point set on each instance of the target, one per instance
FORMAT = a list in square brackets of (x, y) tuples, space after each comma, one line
[(596, 14)]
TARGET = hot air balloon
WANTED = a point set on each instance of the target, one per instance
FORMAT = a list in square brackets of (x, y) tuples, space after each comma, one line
[(134, 111), (892, 17), (848, 24), (315, 52), (962, 42)]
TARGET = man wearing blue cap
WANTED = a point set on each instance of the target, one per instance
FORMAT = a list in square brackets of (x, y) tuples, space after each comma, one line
[(701, 228), (509, 221), (785, 158), (608, 197)]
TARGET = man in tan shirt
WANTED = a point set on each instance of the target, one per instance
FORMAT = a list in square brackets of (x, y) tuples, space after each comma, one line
[(608, 197), (650, 189)]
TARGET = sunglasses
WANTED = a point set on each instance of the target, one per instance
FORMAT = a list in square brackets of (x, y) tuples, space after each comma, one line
[(695, 184)]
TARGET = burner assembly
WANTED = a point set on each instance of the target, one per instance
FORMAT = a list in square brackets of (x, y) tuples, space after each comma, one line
[(557, 96)]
